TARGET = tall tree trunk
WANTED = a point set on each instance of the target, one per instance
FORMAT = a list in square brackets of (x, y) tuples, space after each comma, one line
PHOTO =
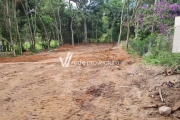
[(151, 39), (7, 46), (150, 45), (45, 30), (3, 46), (72, 33), (9, 26), (85, 31), (92, 29), (17, 27), (114, 20), (111, 37), (128, 25), (60, 27), (85, 26), (71, 25), (78, 37), (34, 32), (96, 31), (155, 2), (152, 30), (25, 8), (136, 30), (120, 31), (128, 33), (49, 43), (56, 23)]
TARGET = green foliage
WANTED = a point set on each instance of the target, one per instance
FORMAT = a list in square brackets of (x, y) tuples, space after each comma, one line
[(104, 38), (47, 19), (163, 58), (44, 22), (17, 50), (130, 50), (44, 45), (39, 46), (141, 43), (155, 32), (105, 23), (161, 53)]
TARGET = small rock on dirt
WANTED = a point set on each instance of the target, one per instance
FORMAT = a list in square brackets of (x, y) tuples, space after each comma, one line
[(166, 111)]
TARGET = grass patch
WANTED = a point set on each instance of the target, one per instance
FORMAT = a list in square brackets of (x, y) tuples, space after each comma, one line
[(163, 58)]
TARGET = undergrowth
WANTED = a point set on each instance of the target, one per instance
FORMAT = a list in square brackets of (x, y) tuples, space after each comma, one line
[(130, 50), (163, 58)]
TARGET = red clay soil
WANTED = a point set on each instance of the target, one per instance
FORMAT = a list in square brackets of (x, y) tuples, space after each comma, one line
[(28, 57), (44, 90), (100, 55)]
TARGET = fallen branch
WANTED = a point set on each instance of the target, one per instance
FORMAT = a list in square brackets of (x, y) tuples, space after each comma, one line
[(160, 94), (149, 106)]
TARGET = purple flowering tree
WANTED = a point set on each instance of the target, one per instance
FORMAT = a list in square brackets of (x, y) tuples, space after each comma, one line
[(156, 19)]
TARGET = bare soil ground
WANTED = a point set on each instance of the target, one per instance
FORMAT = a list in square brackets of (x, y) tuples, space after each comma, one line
[(37, 87)]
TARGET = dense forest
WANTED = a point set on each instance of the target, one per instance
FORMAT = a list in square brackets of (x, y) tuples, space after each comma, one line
[(146, 25)]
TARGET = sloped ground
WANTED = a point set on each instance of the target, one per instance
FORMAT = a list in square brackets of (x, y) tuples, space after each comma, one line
[(38, 87)]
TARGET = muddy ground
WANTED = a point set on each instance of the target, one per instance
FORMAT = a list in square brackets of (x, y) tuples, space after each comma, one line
[(37, 87)]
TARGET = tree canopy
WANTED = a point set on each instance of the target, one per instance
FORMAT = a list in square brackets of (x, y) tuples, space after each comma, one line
[(26, 24)]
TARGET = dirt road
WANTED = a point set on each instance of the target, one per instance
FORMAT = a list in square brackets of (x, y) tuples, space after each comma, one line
[(37, 87)]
